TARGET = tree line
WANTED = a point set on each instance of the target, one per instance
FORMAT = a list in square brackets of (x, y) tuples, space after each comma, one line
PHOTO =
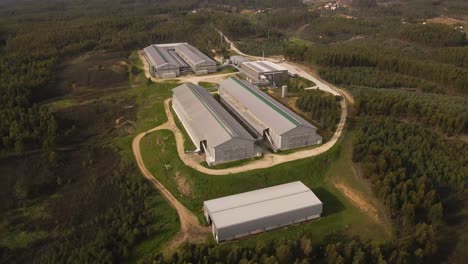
[(448, 114), (383, 60), (334, 249), (372, 77), (321, 107), (435, 35)]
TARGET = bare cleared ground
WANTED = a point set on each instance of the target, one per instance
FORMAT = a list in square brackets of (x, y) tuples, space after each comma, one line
[(449, 21), (183, 185), (359, 201)]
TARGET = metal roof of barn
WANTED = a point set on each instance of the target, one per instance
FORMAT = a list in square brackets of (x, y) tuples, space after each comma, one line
[(272, 113), (264, 66), (258, 204), (195, 56), (239, 58), (208, 119), (162, 56)]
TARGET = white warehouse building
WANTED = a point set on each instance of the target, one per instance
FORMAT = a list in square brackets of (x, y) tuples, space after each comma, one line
[(170, 60), (211, 128), (261, 210), (264, 73), (276, 123)]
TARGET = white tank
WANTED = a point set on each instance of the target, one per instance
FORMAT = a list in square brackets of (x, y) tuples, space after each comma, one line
[(284, 91)]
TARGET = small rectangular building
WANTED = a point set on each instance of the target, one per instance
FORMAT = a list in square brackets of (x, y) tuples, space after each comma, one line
[(237, 59), (169, 60), (261, 210), (276, 123), (264, 73), (211, 128)]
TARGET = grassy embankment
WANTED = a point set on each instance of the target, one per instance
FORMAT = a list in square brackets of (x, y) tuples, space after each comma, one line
[(316, 173)]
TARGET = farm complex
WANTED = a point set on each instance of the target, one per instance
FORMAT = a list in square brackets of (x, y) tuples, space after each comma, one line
[(212, 129), (261, 210), (277, 124), (170, 60)]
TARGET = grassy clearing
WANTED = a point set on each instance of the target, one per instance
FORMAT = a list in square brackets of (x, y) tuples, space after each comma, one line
[(208, 84), (136, 60), (150, 102), (160, 157), (300, 41), (230, 164), (188, 143), (225, 70)]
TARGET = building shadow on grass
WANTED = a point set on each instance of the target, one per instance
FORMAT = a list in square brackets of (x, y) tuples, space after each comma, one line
[(331, 204)]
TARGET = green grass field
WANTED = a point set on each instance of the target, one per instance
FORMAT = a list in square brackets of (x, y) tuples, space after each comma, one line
[(160, 157), (188, 144), (208, 84)]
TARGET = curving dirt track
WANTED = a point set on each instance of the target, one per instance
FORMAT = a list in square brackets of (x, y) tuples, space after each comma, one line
[(191, 229)]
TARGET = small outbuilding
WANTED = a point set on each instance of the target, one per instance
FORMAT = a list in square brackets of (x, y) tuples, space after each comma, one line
[(261, 210), (238, 59)]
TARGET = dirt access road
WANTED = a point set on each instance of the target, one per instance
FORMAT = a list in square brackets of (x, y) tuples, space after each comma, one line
[(191, 229), (294, 68)]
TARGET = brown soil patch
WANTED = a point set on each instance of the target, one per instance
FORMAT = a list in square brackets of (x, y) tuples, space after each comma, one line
[(183, 185), (359, 201), (447, 21), (292, 104)]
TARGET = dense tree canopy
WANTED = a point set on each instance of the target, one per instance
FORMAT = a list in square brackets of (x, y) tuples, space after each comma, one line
[(321, 107), (383, 60), (448, 114), (435, 35)]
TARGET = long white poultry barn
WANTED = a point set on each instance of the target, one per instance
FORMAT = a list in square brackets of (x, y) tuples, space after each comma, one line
[(261, 210), (169, 60), (276, 123), (211, 128)]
